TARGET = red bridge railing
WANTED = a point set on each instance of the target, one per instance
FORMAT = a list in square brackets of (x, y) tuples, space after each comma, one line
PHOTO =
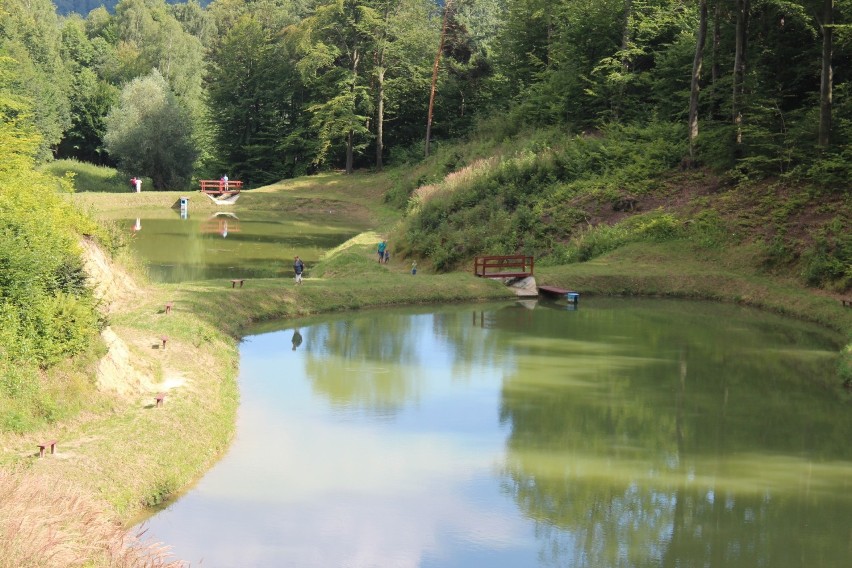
[(219, 187), (511, 266)]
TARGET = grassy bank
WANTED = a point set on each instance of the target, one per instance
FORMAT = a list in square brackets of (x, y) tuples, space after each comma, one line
[(679, 269)]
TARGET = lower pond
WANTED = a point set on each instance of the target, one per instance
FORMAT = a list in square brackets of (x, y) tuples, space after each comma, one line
[(621, 433)]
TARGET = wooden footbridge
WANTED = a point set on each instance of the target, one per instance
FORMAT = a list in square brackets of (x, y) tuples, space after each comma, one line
[(219, 187), (514, 267), (511, 266)]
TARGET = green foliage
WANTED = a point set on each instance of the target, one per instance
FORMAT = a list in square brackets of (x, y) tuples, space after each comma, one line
[(90, 95), (88, 177), (47, 311), (828, 261), (524, 203), (30, 37), (845, 366), (250, 139), (330, 47), (599, 240), (149, 133), (707, 229)]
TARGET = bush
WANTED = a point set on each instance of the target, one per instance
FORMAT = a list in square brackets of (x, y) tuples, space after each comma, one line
[(517, 204), (47, 312), (828, 261)]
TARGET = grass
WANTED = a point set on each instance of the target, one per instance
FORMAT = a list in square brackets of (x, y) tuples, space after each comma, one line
[(680, 269), (46, 523), (92, 178)]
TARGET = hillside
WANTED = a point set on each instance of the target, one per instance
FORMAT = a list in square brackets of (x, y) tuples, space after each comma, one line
[(575, 198)]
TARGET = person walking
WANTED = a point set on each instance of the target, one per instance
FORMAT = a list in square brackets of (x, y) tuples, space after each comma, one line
[(413, 267), (298, 268), (381, 250), (138, 183)]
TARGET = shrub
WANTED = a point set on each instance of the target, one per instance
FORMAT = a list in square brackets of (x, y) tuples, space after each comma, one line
[(47, 311), (517, 203), (828, 261)]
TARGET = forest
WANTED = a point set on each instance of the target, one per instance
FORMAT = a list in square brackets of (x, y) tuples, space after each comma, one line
[(271, 89)]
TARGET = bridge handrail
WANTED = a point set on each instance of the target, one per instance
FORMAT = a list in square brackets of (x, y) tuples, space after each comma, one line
[(219, 185), (502, 266)]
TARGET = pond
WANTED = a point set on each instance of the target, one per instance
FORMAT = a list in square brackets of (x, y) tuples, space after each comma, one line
[(621, 433), (230, 244)]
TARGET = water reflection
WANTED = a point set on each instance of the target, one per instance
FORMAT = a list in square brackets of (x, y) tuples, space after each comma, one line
[(621, 434), (692, 433), (219, 223), (179, 247)]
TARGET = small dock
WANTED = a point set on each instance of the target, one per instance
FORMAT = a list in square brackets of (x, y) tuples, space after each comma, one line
[(557, 292)]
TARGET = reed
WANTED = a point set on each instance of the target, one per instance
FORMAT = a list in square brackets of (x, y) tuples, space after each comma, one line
[(44, 523)]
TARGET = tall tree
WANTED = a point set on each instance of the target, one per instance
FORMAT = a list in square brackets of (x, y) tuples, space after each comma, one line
[(695, 85), (149, 133), (826, 72), (255, 111), (332, 48), (740, 46), (30, 35), (91, 97), (400, 35), (435, 66)]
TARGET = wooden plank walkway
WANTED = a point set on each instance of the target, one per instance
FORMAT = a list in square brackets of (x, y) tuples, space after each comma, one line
[(569, 295)]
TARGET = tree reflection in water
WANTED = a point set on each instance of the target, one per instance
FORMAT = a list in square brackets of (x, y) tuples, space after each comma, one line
[(693, 459)]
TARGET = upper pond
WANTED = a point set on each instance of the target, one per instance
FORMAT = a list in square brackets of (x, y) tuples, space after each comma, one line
[(236, 243), (623, 433)]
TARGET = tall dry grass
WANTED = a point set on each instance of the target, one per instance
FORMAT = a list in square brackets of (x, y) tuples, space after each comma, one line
[(454, 180), (45, 524)]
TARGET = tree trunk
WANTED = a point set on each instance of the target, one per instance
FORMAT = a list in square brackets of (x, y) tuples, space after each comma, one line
[(435, 76), (350, 159), (380, 117), (695, 85), (625, 62), (717, 40), (350, 138), (826, 79), (742, 8)]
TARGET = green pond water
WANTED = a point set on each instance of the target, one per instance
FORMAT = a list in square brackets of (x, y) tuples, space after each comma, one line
[(622, 433), (230, 244)]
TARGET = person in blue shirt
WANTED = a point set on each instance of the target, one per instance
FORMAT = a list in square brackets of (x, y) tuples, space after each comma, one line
[(381, 250), (298, 268)]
